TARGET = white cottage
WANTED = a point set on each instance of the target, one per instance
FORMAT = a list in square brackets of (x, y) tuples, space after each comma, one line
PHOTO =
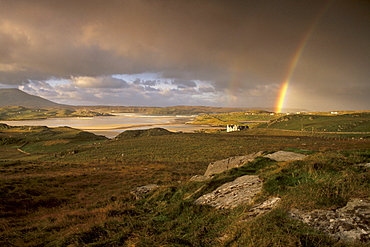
[(234, 127)]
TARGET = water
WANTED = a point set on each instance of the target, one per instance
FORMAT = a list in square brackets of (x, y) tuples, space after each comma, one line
[(111, 126)]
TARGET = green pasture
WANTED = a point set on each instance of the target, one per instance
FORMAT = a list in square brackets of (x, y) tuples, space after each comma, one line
[(355, 122), (23, 113)]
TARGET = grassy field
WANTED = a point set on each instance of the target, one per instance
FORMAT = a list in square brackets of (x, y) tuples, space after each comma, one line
[(351, 122), (65, 187), (240, 117), (23, 113)]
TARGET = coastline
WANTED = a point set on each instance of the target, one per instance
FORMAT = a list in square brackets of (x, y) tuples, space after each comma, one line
[(111, 126), (177, 122)]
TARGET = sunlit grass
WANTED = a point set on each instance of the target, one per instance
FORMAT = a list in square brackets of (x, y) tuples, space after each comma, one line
[(73, 189)]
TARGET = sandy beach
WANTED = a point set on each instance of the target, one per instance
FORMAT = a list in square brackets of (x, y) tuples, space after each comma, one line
[(113, 125), (174, 125), (170, 121)]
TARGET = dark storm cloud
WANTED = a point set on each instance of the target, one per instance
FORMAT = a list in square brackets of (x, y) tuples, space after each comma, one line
[(90, 38), (236, 45)]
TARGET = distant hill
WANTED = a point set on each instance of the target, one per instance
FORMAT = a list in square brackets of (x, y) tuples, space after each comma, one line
[(16, 97)]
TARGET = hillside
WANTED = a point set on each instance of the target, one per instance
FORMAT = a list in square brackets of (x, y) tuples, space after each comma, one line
[(64, 187), (236, 117), (10, 97), (22, 113), (16, 97), (349, 122)]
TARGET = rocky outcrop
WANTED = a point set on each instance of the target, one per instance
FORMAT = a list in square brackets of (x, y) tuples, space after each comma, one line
[(262, 208), (199, 178), (229, 195), (229, 163), (365, 165), (350, 223), (285, 156), (140, 192)]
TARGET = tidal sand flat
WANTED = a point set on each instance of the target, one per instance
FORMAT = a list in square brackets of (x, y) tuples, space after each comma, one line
[(111, 126)]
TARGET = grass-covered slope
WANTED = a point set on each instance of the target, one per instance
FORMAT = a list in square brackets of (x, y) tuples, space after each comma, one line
[(16, 97), (43, 140), (24, 113), (354, 122), (140, 133), (72, 188), (223, 119)]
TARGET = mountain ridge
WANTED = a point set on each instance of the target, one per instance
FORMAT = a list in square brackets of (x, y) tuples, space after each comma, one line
[(16, 97)]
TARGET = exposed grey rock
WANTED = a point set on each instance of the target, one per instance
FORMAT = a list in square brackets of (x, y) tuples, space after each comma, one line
[(199, 178), (285, 156), (229, 195), (140, 192), (229, 163), (262, 208), (350, 223), (366, 165)]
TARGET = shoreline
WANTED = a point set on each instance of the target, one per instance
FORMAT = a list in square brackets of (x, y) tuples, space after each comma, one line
[(177, 122), (113, 132), (114, 125)]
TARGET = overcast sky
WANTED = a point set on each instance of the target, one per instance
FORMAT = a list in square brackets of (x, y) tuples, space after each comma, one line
[(193, 52)]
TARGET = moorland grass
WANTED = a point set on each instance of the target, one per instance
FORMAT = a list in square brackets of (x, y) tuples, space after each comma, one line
[(23, 113), (199, 148), (81, 198), (223, 119), (351, 122)]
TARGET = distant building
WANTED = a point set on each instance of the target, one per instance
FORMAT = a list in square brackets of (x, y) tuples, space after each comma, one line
[(234, 127)]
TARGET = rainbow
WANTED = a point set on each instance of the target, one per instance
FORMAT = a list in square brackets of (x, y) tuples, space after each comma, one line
[(293, 64), (294, 61)]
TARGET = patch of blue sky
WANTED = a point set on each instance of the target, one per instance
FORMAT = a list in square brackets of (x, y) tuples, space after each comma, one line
[(53, 82)]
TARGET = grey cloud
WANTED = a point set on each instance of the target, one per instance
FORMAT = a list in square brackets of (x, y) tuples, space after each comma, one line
[(150, 82), (206, 89), (137, 81), (99, 82), (185, 90), (181, 83), (209, 36), (149, 88), (238, 44)]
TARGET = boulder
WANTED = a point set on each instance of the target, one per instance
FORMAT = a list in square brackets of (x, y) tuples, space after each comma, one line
[(348, 224), (140, 192), (229, 163), (229, 195), (285, 156)]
